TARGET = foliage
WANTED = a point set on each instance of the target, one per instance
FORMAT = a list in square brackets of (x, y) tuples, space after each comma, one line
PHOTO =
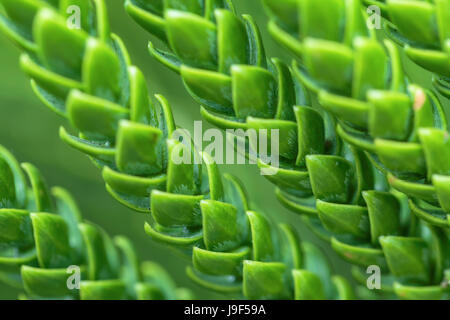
[(360, 83), (366, 165), (42, 235), (400, 126), (422, 28), (128, 136)]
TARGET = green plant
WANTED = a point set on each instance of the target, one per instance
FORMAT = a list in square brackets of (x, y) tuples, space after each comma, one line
[(421, 27), (236, 90), (128, 136), (364, 111), (42, 235), (371, 129), (401, 127)]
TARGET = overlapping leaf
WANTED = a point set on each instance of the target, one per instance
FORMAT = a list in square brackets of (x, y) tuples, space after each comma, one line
[(46, 248), (129, 137), (397, 126)]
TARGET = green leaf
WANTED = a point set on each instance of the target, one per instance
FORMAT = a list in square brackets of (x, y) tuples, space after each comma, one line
[(223, 284), (407, 257), (365, 78), (47, 283), (330, 63), (7, 185), (99, 60), (103, 290), (49, 86), (350, 110), (232, 42), (332, 178), (390, 115), (139, 149), (263, 245), (418, 293), (436, 147), (68, 210), (254, 92), (402, 158), (211, 89), (141, 108), (103, 154), (319, 21), (287, 10), (220, 263), (216, 188), (51, 235), (66, 60), (41, 196), (442, 184), (132, 191), (315, 261), (182, 172), (413, 189), (130, 272), (286, 91), (102, 256), (290, 180), (146, 291), (192, 6), (291, 250), (15, 229), (384, 214), (264, 280), (359, 255), (96, 118), (308, 286), (19, 177), (344, 219), (419, 28), (287, 137), (311, 133), (176, 210), (224, 229), (18, 22), (192, 38), (151, 22), (344, 288), (156, 275)]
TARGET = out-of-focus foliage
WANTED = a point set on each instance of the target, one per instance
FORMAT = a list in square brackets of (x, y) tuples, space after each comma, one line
[(69, 81), (44, 242), (423, 29)]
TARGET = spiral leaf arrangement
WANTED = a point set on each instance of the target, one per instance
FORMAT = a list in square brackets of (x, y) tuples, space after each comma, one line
[(239, 89), (405, 147), (422, 28), (222, 61), (128, 136), (333, 184), (399, 127), (42, 236)]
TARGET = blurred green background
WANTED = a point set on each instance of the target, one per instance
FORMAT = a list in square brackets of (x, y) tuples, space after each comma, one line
[(30, 131)]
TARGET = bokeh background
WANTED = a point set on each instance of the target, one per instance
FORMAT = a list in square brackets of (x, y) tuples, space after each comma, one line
[(30, 131)]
